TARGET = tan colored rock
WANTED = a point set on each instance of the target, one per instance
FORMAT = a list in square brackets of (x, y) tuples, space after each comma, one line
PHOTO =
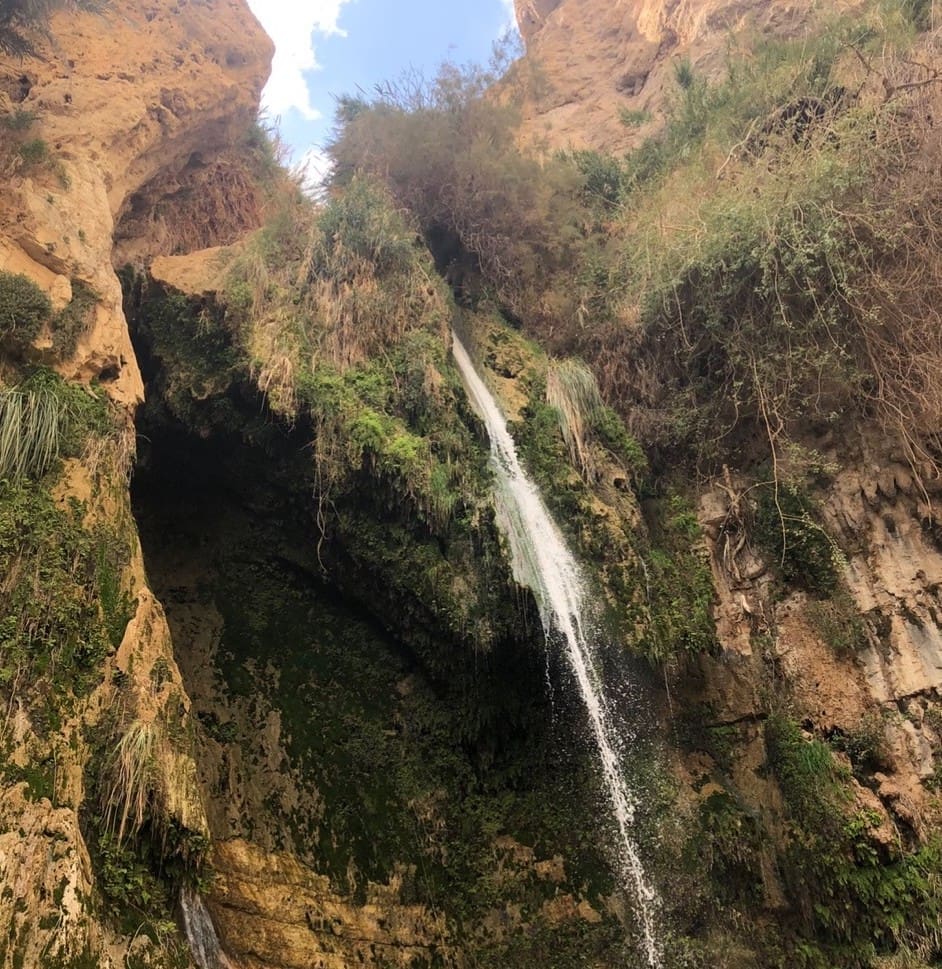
[(197, 273), (275, 913), (45, 871), (588, 60), (128, 102)]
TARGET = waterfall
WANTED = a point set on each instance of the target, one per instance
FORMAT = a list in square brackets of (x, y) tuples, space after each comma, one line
[(201, 933), (542, 562)]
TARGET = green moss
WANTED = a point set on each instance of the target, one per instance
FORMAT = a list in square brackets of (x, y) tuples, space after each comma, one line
[(56, 626), (407, 676), (727, 844), (39, 777), (192, 352), (679, 583), (611, 431), (72, 320)]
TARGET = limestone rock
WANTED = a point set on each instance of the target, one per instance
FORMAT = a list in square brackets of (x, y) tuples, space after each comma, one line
[(272, 912), (128, 103), (590, 60)]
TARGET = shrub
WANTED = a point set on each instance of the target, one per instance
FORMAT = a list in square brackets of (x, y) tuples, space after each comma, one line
[(34, 152), (19, 120), (798, 546), (70, 322), (24, 308), (854, 903), (493, 217)]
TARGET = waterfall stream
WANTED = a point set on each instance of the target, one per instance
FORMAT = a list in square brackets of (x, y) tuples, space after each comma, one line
[(542, 562), (201, 933)]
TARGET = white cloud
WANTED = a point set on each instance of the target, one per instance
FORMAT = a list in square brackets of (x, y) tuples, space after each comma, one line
[(510, 24), (314, 169), (292, 26)]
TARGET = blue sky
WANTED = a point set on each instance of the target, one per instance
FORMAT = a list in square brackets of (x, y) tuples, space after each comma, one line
[(330, 47)]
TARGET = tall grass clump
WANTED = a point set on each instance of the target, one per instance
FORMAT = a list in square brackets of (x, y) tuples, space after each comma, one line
[(43, 418), (572, 390), (132, 779), (32, 423)]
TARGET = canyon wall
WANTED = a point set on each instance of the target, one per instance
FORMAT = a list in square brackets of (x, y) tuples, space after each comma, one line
[(346, 710), (599, 74)]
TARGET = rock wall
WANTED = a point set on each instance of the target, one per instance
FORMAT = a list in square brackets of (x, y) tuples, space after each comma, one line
[(111, 109), (125, 103), (592, 64), (135, 111)]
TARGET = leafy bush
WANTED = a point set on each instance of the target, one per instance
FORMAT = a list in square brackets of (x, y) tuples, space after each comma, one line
[(494, 218), (854, 902), (20, 119), (24, 308), (797, 545)]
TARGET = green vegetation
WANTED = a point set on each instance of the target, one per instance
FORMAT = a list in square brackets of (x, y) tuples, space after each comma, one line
[(795, 543), (34, 154), (32, 421), (141, 849), (54, 633), (407, 678), (839, 623), (72, 320), (43, 418), (855, 901), (766, 255), (678, 583), (21, 119), (24, 308)]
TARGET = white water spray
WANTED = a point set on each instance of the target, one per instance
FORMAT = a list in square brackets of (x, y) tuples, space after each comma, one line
[(201, 933), (542, 562)]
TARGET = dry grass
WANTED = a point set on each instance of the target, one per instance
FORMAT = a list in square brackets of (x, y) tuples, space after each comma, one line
[(129, 796), (572, 390), (150, 780)]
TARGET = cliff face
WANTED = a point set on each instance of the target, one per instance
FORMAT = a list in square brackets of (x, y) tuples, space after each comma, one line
[(130, 106), (112, 113), (600, 72), (347, 696)]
